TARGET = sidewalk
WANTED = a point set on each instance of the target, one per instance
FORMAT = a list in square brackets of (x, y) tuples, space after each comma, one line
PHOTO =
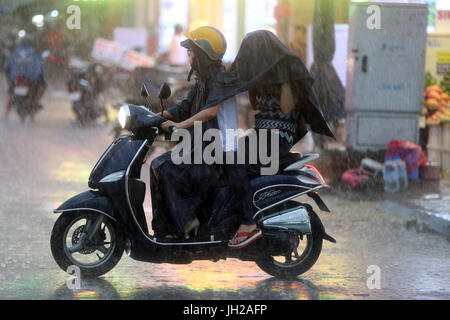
[(426, 210)]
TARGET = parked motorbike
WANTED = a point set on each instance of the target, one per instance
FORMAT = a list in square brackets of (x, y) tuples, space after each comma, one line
[(158, 75), (85, 92), (175, 78), (25, 99), (56, 62), (95, 227)]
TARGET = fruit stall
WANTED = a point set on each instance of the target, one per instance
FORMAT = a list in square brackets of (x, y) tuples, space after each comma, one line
[(436, 112)]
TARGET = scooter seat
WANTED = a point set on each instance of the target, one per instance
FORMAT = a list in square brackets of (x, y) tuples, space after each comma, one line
[(290, 162), (297, 165)]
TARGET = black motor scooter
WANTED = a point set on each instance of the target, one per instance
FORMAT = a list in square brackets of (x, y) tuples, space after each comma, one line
[(25, 99), (97, 226), (85, 92)]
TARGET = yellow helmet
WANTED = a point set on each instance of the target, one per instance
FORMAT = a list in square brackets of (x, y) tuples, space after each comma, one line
[(210, 40)]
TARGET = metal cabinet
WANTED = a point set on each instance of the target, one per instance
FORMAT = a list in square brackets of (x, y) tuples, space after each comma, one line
[(385, 73)]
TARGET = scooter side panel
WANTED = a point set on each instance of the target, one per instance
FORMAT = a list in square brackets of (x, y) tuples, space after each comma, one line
[(269, 190)]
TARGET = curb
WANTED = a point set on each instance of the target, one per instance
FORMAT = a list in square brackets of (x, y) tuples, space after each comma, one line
[(422, 221)]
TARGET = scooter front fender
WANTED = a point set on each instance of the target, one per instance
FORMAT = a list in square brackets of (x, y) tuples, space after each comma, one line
[(88, 201)]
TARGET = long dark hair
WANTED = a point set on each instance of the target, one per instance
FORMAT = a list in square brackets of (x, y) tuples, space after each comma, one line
[(205, 69), (203, 66)]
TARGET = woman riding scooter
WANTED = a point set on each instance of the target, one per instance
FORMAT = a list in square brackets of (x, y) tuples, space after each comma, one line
[(279, 87), (96, 226), (206, 47)]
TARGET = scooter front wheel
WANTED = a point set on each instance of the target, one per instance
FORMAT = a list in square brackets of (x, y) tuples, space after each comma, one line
[(87, 240)]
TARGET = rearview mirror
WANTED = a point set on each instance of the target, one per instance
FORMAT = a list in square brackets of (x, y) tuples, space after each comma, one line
[(144, 91), (147, 88), (164, 91)]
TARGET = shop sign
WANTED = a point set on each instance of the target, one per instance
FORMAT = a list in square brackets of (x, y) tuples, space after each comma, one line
[(107, 51), (443, 21)]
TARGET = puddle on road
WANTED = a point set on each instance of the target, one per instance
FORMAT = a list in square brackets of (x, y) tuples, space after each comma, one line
[(201, 280), (230, 279), (338, 274)]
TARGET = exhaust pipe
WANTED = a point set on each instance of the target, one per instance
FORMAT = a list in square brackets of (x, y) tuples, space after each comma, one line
[(292, 219)]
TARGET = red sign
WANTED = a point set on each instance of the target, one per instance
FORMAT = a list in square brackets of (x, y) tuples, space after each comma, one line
[(105, 50), (443, 15), (443, 21)]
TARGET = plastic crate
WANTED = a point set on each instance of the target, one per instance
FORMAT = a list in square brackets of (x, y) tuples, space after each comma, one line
[(431, 171)]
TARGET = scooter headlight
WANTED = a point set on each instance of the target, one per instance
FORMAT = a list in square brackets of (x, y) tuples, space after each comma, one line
[(124, 114)]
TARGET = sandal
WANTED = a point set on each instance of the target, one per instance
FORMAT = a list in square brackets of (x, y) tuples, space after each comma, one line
[(249, 238)]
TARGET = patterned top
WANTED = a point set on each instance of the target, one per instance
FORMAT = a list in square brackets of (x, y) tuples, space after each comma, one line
[(271, 116)]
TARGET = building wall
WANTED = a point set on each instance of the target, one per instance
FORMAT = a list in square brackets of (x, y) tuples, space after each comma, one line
[(146, 14), (205, 12), (119, 14), (303, 12)]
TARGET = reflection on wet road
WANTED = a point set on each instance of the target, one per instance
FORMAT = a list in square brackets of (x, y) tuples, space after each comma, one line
[(268, 289), (46, 163)]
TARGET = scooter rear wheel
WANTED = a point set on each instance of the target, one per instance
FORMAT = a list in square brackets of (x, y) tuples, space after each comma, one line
[(94, 257), (300, 259)]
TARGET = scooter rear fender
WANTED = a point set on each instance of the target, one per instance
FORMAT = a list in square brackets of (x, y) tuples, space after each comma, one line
[(88, 201), (322, 206)]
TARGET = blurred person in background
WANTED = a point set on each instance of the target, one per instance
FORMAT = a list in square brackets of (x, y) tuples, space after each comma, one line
[(177, 55), (25, 62), (7, 41), (298, 45)]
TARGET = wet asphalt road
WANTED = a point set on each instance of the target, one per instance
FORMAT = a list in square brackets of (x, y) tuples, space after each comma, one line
[(45, 163)]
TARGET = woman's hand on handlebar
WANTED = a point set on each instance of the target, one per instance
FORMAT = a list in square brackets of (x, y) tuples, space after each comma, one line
[(167, 125)]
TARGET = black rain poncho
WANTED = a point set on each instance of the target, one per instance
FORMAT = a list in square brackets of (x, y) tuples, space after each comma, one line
[(264, 60)]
